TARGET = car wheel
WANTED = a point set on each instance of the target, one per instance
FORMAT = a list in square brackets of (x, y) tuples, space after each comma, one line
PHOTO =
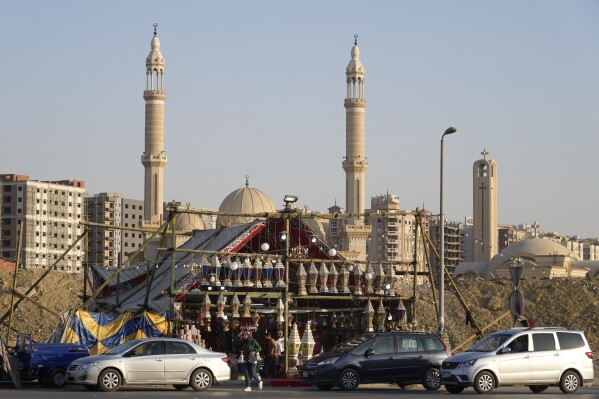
[(324, 387), (484, 382), (432, 379), (349, 379), (404, 386), (180, 387), (537, 388), (454, 388), (109, 380), (201, 379), (57, 378), (570, 382), (90, 387)]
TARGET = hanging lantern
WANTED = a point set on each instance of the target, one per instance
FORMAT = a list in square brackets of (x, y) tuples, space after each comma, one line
[(216, 266), (344, 277), (280, 273), (369, 313), (323, 275), (203, 271), (369, 276), (390, 280), (235, 306), (301, 280), (228, 272), (247, 273), (381, 315), (358, 281), (220, 306), (379, 280), (267, 273), (256, 319), (307, 344), (280, 312), (247, 304), (401, 314), (333, 277), (257, 273), (236, 272), (313, 277)]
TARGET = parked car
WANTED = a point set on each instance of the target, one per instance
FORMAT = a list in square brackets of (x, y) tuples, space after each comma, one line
[(537, 357), (386, 357), (155, 361)]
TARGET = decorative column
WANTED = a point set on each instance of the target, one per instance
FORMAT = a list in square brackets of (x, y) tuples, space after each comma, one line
[(333, 276), (323, 275), (301, 280), (313, 276)]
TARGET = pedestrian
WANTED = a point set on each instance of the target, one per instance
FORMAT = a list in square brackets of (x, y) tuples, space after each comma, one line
[(270, 365), (250, 349)]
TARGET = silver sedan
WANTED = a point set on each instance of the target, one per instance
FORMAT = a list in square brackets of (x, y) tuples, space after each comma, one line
[(155, 361)]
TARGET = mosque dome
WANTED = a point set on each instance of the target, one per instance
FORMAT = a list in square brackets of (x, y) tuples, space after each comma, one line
[(187, 222), (243, 200)]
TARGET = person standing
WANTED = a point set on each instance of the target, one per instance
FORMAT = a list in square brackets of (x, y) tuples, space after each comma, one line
[(250, 349), (281, 354), (270, 366)]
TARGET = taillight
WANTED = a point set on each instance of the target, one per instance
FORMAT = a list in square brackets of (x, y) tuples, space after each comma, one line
[(225, 359), (589, 354)]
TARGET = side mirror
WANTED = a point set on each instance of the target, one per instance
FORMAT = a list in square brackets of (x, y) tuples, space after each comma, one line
[(506, 349), (368, 353)]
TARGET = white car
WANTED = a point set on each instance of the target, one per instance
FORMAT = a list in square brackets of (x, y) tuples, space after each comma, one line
[(151, 361), (537, 357)]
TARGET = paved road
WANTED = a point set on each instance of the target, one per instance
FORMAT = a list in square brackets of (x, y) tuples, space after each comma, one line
[(234, 390)]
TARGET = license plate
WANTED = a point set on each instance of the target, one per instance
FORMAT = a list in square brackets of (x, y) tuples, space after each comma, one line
[(305, 374), (445, 374)]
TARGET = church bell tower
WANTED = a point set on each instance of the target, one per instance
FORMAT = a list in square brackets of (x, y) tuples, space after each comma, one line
[(485, 240), (154, 156)]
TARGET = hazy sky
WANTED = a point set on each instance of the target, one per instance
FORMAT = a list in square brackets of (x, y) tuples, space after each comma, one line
[(257, 87)]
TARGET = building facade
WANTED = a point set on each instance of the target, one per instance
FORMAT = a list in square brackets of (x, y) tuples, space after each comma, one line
[(50, 212)]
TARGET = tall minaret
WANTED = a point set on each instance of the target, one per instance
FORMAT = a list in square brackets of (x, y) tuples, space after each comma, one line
[(485, 242), (354, 162), (154, 156)]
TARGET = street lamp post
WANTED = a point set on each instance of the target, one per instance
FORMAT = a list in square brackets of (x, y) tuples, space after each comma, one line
[(441, 323)]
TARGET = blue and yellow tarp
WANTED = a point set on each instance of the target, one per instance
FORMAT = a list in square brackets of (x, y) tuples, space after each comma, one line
[(100, 332)]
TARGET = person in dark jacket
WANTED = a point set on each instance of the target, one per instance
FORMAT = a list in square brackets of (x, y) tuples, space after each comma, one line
[(250, 349)]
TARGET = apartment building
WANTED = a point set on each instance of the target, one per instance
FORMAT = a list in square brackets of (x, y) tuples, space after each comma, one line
[(50, 212)]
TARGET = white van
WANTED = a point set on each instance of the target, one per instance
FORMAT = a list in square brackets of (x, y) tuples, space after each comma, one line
[(537, 357)]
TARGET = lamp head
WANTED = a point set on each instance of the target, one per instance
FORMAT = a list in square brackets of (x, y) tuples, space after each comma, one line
[(450, 130), (289, 199)]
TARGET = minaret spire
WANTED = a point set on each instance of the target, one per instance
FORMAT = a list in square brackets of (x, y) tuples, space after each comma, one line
[(154, 156)]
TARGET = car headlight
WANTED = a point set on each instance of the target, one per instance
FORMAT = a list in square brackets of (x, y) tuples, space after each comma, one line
[(328, 362), (469, 363), (85, 366)]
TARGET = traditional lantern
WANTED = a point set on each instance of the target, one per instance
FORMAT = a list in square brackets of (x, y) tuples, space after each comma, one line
[(379, 280), (228, 272), (203, 272), (390, 280), (307, 344), (344, 277), (256, 319), (215, 270), (220, 306), (313, 277), (369, 314), (333, 277), (280, 273), (323, 275), (369, 276), (247, 273), (247, 303), (267, 273), (207, 317), (235, 306), (236, 272), (294, 343), (257, 273), (301, 280), (401, 315), (280, 312), (381, 316), (357, 281)]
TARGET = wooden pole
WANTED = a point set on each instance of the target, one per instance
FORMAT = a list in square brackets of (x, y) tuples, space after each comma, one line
[(25, 297), (14, 281)]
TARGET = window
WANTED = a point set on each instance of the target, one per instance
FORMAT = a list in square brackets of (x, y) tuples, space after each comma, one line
[(178, 348), (147, 349), (569, 340), (543, 342), (432, 344), (383, 345), (407, 344)]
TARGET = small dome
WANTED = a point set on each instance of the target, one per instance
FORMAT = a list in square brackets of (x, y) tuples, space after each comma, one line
[(531, 248), (187, 222), (243, 200), (155, 43)]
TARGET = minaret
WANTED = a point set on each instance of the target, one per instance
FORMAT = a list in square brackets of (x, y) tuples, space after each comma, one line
[(154, 156), (484, 202), (354, 162)]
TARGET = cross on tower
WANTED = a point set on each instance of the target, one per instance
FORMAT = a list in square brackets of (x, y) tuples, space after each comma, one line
[(484, 153)]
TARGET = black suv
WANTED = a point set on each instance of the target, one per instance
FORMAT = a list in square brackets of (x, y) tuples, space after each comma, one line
[(386, 357)]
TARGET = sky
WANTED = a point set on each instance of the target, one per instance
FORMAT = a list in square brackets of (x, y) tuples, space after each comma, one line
[(257, 87)]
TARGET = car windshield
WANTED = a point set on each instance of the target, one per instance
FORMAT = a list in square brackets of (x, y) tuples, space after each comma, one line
[(490, 343), (347, 346), (122, 348)]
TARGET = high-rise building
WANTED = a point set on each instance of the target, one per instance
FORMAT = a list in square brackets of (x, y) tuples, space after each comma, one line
[(50, 212), (355, 164), (154, 156), (484, 173), (110, 247)]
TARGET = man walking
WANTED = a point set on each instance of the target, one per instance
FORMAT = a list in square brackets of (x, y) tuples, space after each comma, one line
[(270, 366), (250, 349)]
